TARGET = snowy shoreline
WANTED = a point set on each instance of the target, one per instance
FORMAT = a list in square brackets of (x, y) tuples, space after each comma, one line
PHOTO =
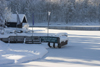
[(83, 50), (73, 27), (21, 52), (64, 26)]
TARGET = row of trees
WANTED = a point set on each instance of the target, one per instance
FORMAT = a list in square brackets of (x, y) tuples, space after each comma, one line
[(61, 10)]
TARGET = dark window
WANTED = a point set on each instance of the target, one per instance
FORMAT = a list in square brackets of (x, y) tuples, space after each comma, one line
[(24, 20)]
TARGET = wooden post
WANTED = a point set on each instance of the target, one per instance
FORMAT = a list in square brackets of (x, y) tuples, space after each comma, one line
[(59, 44), (53, 45), (49, 44)]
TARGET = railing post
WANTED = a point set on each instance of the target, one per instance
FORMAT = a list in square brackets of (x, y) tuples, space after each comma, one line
[(53, 45), (59, 45), (49, 44)]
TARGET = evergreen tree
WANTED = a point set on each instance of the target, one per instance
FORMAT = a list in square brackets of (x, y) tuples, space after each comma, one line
[(4, 12), (61, 10)]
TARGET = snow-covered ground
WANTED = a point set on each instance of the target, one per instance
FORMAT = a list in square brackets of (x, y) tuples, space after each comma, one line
[(83, 50), (18, 53)]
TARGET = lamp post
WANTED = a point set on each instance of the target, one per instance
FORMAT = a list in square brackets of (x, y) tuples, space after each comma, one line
[(49, 13), (32, 24), (18, 22), (48, 27)]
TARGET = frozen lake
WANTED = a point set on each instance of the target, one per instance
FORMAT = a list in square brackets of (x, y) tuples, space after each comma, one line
[(83, 50)]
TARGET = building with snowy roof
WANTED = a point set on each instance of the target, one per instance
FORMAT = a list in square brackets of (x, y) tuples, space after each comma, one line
[(13, 21)]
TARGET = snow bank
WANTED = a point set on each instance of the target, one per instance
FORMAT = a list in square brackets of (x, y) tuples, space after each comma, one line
[(3, 50), (3, 47), (63, 38), (18, 53), (5, 61), (28, 52)]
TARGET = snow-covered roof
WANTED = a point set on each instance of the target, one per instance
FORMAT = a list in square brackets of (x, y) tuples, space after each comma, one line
[(13, 18)]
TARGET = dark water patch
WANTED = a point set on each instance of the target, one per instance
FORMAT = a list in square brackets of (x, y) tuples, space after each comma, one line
[(77, 28), (89, 28)]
